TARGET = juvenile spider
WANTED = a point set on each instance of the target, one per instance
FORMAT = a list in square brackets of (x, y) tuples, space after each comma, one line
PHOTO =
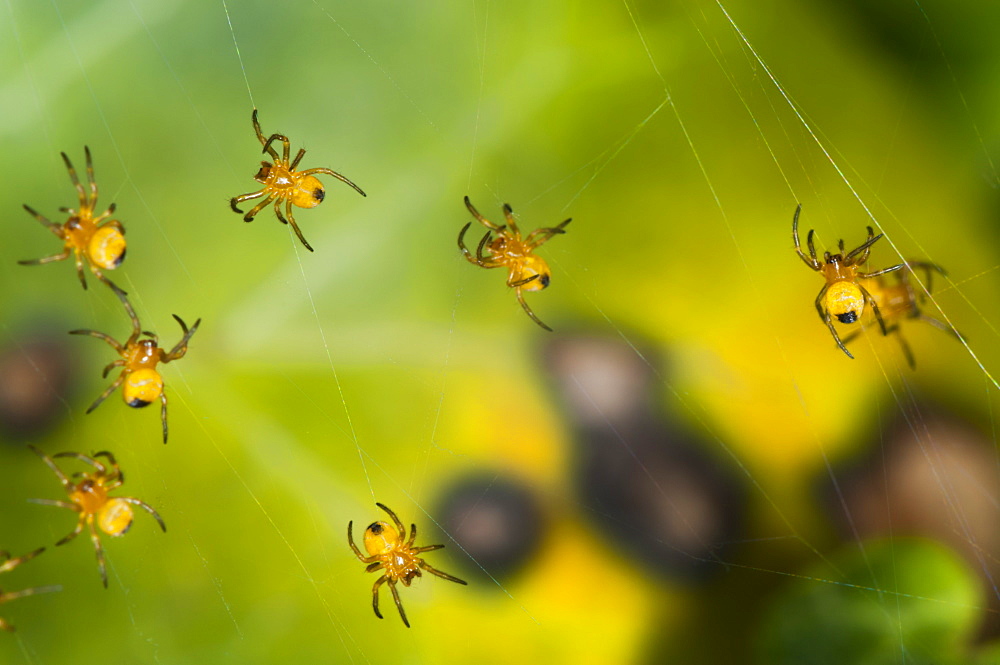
[(8, 564), (101, 244), (392, 552), (525, 271), (843, 295), (89, 497), (900, 301), (282, 183), (138, 361)]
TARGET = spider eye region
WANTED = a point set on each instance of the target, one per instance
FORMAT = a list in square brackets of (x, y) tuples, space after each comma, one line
[(142, 386), (845, 301), (107, 247), (115, 518), (90, 496)]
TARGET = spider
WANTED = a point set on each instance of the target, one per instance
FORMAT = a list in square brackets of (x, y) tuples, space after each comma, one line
[(390, 550), (138, 361), (282, 183), (89, 497), (843, 295), (525, 271), (7, 564), (101, 244), (901, 301)]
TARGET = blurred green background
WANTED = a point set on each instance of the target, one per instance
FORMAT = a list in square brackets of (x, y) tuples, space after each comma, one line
[(693, 470)]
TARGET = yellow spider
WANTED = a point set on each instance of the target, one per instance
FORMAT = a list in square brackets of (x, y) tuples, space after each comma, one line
[(89, 497), (843, 295), (138, 361), (8, 564), (525, 271), (102, 245), (391, 551), (282, 183), (901, 301)]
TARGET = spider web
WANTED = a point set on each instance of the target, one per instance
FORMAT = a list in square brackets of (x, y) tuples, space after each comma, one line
[(384, 368)]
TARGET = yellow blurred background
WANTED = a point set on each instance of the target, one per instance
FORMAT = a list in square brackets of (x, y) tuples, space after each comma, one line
[(647, 484)]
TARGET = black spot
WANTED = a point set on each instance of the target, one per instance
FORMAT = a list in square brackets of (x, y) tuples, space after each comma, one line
[(847, 317), (544, 279), (137, 403), (375, 528), (118, 261), (319, 194)]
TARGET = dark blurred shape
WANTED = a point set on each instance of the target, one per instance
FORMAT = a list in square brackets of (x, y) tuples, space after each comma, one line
[(36, 372), (648, 484), (496, 519), (934, 476)]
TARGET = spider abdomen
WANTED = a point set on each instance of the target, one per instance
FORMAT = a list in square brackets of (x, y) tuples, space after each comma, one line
[(845, 301), (115, 518)]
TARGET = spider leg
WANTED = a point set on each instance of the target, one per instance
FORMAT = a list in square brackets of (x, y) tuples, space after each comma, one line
[(864, 257), (45, 259), (50, 225), (260, 136), (434, 571), (291, 221), (11, 564), (929, 270), (136, 326), (286, 149), (357, 552), (335, 175), (508, 214), (257, 208), (56, 503), (869, 275), (878, 314), (521, 282), (244, 197), (400, 529), (375, 587), (110, 389), (114, 222), (79, 270), (75, 532), (149, 509), (941, 325), (163, 416), (825, 316), (107, 338), (52, 465), (425, 548), (482, 220), (81, 193), (96, 539), (520, 298), (461, 244), (90, 177), (545, 234), (399, 604), (872, 239), (181, 347), (295, 162), (86, 460), (811, 262), (482, 244), (413, 536)]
